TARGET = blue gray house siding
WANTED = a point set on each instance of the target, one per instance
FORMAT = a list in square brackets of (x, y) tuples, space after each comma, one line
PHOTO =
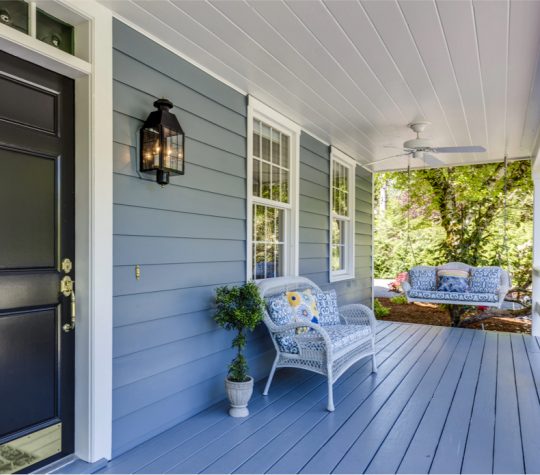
[(189, 237), (315, 223)]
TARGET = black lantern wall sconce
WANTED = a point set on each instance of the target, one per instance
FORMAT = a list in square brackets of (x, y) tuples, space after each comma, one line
[(162, 144)]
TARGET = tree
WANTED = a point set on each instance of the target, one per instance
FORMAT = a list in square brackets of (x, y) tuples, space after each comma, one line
[(455, 214)]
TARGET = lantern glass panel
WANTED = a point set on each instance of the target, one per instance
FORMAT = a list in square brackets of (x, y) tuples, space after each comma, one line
[(151, 148), (173, 156)]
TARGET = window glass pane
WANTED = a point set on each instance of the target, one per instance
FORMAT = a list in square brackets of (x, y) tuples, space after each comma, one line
[(265, 180), (276, 145), (285, 151), (265, 142), (337, 227), (336, 258), (339, 236), (259, 257), (258, 223), (268, 244), (284, 186), (276, 184), (256, 177), (256, 138)]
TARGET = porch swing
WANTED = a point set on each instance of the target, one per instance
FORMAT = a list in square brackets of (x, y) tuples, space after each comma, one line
[(457, 283)]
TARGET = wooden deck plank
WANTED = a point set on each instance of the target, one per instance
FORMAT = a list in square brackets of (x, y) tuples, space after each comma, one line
[(478, 457), (446, 421), (401, 413), (444, 401), (529, 406), (224, 454), (263, 459), (141, 455), (427, 405), (294, 459), (507, 450), (411, 370)]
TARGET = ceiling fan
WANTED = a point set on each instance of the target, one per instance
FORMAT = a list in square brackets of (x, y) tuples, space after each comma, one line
[(421, 147)]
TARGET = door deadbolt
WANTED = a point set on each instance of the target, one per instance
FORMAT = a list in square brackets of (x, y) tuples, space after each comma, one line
[(67, 265)]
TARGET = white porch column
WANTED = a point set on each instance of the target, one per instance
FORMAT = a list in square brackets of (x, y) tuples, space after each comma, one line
[(536, 249)]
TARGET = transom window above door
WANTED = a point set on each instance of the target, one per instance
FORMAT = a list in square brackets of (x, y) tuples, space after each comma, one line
[(272, 193)]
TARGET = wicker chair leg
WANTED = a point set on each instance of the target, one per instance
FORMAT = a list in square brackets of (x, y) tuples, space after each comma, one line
[(270, 376), (330, 406), (373, 363)]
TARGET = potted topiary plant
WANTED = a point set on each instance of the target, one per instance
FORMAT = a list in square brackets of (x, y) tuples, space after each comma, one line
[(239, 308)]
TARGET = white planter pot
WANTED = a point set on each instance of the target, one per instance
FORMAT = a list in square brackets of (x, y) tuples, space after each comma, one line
[(239, 395)]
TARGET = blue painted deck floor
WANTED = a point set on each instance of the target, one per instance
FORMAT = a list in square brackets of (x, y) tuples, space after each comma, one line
[(444, 401)]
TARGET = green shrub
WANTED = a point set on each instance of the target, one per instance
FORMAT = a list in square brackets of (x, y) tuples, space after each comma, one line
[(380, 310), (399, 299), (239, 308)]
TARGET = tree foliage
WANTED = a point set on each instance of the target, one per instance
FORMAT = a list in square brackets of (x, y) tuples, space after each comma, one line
[(455, 214)]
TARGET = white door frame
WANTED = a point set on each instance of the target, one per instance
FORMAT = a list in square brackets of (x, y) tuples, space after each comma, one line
[(92, 72)]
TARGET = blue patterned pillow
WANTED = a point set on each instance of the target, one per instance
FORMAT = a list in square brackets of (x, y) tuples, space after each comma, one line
[(449, 283), (485, 280), (281, 313), (279, 309), (423, 278), (328, 308)]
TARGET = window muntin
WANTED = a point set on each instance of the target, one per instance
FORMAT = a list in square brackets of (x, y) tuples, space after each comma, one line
[(272, 194), (342, 218), (270, 163)]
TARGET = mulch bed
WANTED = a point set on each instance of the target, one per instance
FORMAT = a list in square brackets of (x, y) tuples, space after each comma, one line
[(431, 314)]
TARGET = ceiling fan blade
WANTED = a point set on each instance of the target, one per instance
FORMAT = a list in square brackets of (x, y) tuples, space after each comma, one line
[(386, 158), (432, 161), (464, 149)]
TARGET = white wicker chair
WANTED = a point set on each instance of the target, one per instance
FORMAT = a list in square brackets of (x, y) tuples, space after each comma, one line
[(328, 350)]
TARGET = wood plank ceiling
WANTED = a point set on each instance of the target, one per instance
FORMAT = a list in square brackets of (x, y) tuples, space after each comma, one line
[(355, 73)]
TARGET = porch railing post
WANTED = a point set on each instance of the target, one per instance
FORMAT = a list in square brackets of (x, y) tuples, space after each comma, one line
[(536, 251)]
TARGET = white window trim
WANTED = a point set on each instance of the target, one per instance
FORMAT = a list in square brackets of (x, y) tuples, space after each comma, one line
[(259, 110), (350, 163)]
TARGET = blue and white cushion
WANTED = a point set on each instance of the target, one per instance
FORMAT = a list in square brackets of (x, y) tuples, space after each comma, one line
[(485, 280), (280, 313), (340, 336), (328, 308), (466, 297), (423, 278)]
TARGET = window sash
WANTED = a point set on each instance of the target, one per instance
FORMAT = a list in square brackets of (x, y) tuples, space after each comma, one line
[(278, 189)]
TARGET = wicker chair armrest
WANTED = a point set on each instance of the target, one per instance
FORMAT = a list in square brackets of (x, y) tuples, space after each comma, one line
[(358, 314)]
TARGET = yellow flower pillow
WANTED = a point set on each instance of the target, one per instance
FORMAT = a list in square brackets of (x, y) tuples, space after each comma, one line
[(304, 308)]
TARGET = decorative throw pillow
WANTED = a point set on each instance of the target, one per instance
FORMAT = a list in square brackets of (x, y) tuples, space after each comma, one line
[(485, 280), (303, 306), (453, 280), (423, 278), (280, 313), (328, 307)]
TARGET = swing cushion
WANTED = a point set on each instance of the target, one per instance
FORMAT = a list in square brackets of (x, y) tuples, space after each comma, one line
[(423, 278), (485, 280), (460, 297)]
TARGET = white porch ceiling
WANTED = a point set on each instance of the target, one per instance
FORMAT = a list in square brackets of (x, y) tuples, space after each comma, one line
[(355, 73)]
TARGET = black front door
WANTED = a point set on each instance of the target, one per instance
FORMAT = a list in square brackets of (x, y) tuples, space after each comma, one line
[(36, 239)]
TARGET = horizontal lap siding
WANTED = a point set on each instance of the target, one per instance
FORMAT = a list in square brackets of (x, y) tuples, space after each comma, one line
[(315, 224), (188, 237)]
